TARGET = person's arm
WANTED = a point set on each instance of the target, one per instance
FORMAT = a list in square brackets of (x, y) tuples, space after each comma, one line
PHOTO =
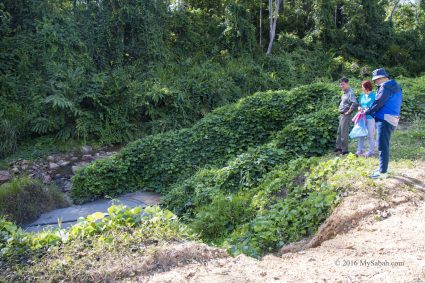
[(381, 98), (354, 104)]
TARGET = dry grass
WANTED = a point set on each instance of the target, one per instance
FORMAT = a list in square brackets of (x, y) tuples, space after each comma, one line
[(78, 263)]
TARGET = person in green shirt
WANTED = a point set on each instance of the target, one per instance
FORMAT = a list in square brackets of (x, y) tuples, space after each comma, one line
[(366, 100)]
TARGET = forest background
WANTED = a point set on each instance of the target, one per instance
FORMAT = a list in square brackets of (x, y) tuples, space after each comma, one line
[(112, 71)]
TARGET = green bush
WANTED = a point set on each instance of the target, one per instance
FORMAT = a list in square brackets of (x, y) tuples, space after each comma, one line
[(158, 161), (413, 98), (153, 225), (305, 206), (297, 216), (310, 134), (216, 202), (225, 212), (242, 173), (9, 141), (23, 199)]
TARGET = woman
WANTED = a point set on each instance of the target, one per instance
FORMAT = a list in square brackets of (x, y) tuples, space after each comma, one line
[(366, 100)]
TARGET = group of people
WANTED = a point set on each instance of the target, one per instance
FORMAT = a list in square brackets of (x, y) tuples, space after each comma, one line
[(382, 109)]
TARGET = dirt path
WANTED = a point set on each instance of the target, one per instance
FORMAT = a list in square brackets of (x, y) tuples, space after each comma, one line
[(378, 240)]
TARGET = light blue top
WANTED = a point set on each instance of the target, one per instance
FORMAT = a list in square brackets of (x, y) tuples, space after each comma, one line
[(366, 101)]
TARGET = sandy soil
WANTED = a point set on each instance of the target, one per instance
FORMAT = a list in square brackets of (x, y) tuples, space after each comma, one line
[(376, 234), (390, 250), (368, 238)]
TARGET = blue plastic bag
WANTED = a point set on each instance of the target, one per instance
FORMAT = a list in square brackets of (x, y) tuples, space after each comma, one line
[(360, 128)]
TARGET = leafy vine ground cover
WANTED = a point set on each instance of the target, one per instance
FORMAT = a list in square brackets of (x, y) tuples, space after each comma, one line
[(267, 191), (159, 161), (217, 175)]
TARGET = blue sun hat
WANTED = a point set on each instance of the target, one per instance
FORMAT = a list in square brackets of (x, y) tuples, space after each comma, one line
[(379, 73)]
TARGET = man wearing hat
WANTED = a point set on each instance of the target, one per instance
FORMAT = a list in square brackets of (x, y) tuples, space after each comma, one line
[(386, 111)]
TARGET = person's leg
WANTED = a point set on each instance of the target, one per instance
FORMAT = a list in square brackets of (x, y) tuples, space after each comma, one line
[(345, 131), (338, 144), (384, 136), (360, 146), (371, 128)]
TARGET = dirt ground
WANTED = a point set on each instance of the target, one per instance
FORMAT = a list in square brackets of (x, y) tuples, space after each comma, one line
[(376, 234), (370, 237)]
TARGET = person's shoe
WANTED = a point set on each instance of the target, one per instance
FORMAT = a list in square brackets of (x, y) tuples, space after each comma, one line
[(379, 175), (359, 153), (369, 154)]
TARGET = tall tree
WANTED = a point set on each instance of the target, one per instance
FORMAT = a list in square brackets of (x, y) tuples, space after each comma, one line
[(395, 5), (274, 7)]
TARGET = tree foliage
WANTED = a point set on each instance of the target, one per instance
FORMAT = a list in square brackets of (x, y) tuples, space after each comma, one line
[(112, 71)]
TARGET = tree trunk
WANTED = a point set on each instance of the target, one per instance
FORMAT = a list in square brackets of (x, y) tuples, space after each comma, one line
[(273, 16), (261, 24), (396, 3)]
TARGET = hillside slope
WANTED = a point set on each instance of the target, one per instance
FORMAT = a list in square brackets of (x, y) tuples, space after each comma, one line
[(397, 241), (385, 231), (379, 223)]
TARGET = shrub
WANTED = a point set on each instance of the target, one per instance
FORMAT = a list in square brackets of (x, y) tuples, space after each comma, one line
[(222, 200), (8, 142), (225, 212), (310, 134), (413, 98), (242, 173), (153, 225), (298, 215), (23, 199), (158, 161)]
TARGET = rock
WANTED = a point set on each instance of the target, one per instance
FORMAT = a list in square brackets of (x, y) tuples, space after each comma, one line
[(24, 167), (15, 170), (4, 176), (53, 166), (86, 149), (50, 158), (63, 163), (47, 179), (78, 166), (75, 168), (74, 158), (384, 214), (67, 187), (87, 157), (25, 162)]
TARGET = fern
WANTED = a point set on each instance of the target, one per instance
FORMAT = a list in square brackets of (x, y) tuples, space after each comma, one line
[(42, 125), (66, 133), (58, 101)]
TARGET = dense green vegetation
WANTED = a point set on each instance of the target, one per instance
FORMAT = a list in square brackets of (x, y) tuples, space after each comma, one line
[(154, 225), (113, 71), (230, 137), (160, 160), (299, 122), (239, 167), (23, 199)]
